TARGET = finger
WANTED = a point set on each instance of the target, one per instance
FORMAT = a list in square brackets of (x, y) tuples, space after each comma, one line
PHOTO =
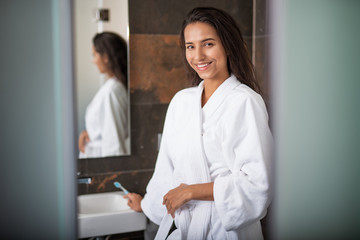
[(81, 145), (169, 208), (86, 136), (171, 212)]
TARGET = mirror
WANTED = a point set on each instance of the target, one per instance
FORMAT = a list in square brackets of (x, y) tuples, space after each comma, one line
[(107, 123)]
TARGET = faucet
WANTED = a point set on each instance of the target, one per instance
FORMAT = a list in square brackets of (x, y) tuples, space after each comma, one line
[(86, 180)]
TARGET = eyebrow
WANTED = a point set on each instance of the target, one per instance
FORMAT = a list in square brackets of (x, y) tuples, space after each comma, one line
[(204, 40)]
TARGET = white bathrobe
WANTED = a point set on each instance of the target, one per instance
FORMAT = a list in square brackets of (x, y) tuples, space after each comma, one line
[(106, 121), (227, 142)]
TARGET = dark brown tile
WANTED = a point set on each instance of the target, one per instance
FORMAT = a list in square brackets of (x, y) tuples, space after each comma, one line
[(156, 68), (166, 16), (82, 189), (81, 167), (261, 50), (248, 41), (147, 123), (108, 165), (262, 70), (261, 63), (261, 18), (133, 181)]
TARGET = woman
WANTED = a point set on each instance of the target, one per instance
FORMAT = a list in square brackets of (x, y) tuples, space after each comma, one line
[(211, 179), (106, 118)]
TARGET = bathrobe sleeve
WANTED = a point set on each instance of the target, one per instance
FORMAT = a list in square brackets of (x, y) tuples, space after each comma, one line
[(242, 196), (115, 121), (161, 181)]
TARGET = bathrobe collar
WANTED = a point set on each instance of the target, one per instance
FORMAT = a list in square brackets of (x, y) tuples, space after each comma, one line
[(218, 96)]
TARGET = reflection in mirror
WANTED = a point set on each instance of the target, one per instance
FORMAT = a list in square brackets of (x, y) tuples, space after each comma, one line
[(101, 47)]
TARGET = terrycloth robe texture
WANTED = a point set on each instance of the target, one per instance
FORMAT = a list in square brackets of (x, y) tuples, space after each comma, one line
[(106, 121), (227, 142)]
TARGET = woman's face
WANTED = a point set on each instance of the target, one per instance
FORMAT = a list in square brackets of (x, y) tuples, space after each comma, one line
[(205, 52), (99, 61)]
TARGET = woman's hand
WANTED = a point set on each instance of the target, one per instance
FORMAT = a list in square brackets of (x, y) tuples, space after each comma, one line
[(134, 201), (177, 197), (83, 139)]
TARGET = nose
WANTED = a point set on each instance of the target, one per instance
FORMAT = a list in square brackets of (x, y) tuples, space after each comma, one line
[(199, 54)]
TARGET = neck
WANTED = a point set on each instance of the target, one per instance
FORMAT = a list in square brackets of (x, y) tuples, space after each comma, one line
[(110, 75), (210, 87)]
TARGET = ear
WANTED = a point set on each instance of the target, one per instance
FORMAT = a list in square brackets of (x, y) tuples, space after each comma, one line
[(105, 58)]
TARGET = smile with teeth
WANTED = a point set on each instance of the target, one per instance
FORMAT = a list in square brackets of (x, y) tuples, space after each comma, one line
[(203, 65)]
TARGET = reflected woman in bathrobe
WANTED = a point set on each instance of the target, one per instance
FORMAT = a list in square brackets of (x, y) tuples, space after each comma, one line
[(106, 117), (212, 175)]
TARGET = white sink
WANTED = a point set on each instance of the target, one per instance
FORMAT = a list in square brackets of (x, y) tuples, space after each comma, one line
[(103, 214)]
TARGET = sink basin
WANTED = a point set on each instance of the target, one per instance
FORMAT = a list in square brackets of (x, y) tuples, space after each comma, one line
[(103, 214)]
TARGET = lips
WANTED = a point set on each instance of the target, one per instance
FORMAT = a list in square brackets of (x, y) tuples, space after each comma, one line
[(202, 66)]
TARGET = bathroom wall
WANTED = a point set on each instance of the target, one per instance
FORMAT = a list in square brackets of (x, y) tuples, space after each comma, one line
[(156, 73)]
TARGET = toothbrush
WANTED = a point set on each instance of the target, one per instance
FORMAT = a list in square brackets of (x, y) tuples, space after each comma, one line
[(118, 185)]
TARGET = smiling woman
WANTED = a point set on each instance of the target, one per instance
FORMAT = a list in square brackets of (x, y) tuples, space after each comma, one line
[(206, 55), (237, 55), (212, 176)]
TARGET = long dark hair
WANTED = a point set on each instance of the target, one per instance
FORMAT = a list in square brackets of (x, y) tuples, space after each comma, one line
[(115, 47), (238, 57)]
